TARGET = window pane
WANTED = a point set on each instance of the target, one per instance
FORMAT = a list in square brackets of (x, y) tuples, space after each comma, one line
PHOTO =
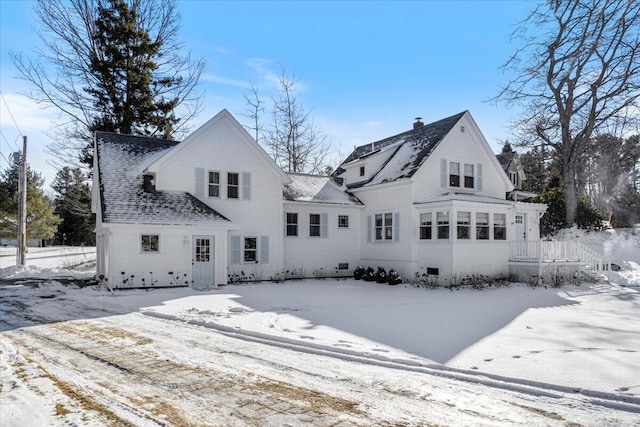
[(468, 170), (499, 227), (443, 224), (464, 225), (314, 225), (250, 249), (482, 226), (343, 221), (482, 218), (425, 225), (232, 185), (150, 243), (454, 168)]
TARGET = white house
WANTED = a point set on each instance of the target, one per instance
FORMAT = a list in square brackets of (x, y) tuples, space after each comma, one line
[(215, 207)]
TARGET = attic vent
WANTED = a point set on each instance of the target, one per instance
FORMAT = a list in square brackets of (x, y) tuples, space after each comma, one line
[(462, 129), (418, 123)]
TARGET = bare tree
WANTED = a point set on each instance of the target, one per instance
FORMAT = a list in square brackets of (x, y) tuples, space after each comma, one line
[(291, 137), (61, 75), (577, 72), (255, 107)]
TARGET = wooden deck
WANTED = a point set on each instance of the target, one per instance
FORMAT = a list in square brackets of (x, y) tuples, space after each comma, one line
[(558, 253)]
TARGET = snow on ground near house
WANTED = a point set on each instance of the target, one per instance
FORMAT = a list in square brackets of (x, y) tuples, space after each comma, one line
[(49, 262), (572, 353)]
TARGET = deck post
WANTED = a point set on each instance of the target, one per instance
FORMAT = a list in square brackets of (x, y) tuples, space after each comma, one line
[(539, 263)]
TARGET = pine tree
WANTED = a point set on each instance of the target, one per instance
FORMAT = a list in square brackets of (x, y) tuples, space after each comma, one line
[(128, 96), (41, 221), (72, 204)]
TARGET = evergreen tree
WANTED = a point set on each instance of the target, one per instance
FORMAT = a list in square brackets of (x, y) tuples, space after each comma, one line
[(41, 221), (72, 204), (113, 65), (128, 96), (534, 163)]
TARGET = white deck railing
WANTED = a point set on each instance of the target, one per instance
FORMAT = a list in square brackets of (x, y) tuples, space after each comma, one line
[(558, 252)]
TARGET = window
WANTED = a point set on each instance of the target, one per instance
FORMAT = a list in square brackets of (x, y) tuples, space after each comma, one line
[(250, 249), (361, 170), (464, 225), (232, 185), (203, 250), (343, 221), (499, 226), (150, 243), (292, 224), (384, 226), (454, 174), (482, 226), (468, 176), (343, 266), (443, 224), (515, 179), (314, 225), (425, 226), (214, 184)]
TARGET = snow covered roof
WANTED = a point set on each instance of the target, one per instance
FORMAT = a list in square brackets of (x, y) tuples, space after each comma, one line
[(413, 148), (316, 189), (121, 163)]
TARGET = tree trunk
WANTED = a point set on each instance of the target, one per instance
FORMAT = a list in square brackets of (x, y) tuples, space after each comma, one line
[(570, 194)]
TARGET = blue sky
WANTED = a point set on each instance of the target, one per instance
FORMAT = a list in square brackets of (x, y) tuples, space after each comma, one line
[(366, 68)]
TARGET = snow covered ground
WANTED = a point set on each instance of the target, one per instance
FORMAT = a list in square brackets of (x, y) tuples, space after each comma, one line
[(324, 352)]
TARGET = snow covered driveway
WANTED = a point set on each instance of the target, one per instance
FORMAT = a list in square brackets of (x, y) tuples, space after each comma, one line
[(280, 354)]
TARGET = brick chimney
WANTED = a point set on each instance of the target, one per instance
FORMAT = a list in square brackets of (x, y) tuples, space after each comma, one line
[(418, 123)]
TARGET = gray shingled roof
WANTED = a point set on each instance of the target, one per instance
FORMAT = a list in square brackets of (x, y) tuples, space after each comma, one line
[(414, 148), (505, 159), (317, 189), (121, 162)]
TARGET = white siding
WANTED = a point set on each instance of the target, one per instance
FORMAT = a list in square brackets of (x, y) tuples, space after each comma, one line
[(175, 254), (258, 209), (397, 253), (341, 245), (466, 147)]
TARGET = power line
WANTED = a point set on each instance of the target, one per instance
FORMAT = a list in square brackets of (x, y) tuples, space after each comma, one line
[(10, 114), (5, 140)]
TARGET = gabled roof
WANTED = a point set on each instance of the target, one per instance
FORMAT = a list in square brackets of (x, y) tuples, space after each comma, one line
[(243, 136), (316, 189), (121, 161), (414, 147), (505, 159)]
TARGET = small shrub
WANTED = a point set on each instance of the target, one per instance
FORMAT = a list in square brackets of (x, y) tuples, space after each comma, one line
[(393, 278), (359, 272), (369, 275), (381, 275)]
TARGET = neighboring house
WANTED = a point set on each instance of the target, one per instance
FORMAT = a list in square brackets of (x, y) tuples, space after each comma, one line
[(216, 208), (510, 162)]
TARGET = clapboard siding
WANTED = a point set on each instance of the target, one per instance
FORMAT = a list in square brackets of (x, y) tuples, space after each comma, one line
[(125, 254), (340, 245)]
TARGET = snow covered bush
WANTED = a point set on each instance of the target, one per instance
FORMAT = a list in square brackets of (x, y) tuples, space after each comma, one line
[(393, 278)]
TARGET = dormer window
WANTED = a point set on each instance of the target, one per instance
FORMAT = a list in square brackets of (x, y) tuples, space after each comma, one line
[(361, 170)]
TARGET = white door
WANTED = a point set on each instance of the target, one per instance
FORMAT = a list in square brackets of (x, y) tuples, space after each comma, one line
[(202, 260), (521, 227)]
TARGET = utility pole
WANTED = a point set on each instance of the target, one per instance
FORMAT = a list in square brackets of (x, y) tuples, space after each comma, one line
[(22, 205)]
